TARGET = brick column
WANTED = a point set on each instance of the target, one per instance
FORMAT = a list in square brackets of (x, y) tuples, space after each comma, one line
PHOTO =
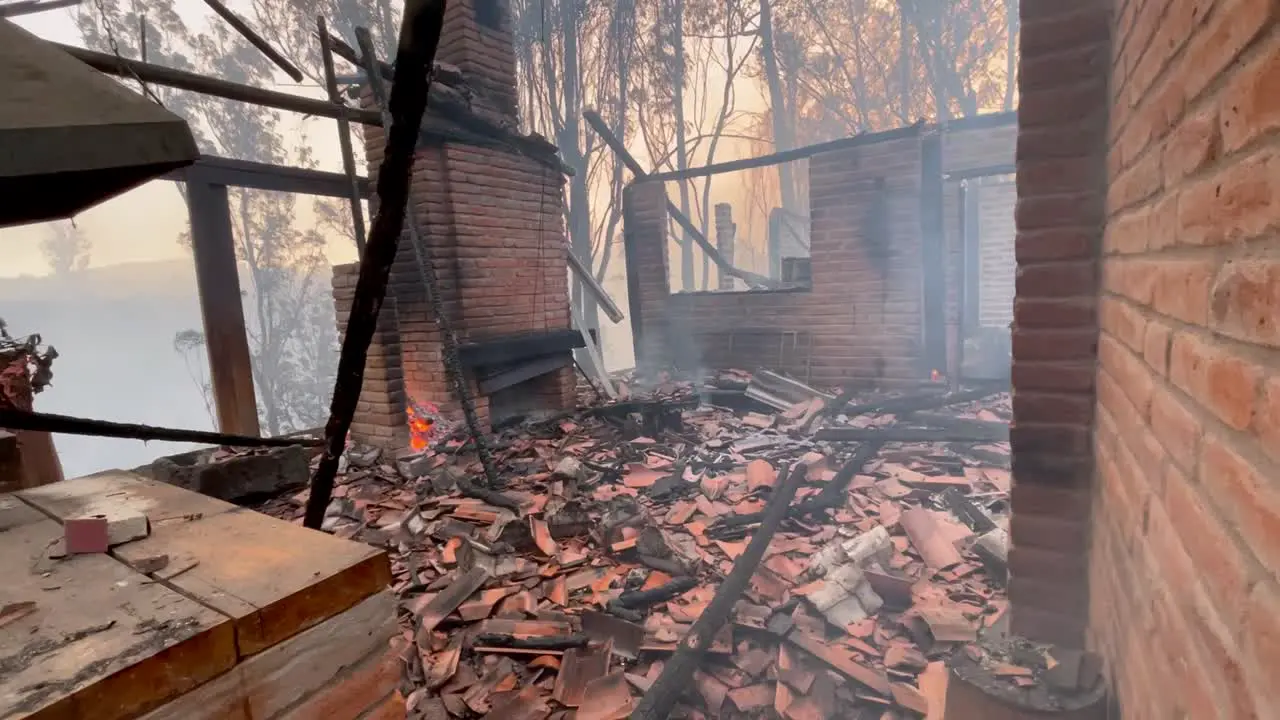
[(1061, 159), (380, 417), (644, 239), (726, 232)]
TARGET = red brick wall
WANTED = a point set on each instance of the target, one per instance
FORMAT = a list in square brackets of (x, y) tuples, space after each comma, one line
[(1061, 164), (1186, 552), (854, 338), (856, 326)]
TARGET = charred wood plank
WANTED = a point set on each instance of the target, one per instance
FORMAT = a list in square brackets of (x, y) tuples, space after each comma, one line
[(919, 401), (491, 497), (831, 496), (554, 642), (636, 599), (193, 82), (918, 435), (419, 38), (597, 123), (959, 424)]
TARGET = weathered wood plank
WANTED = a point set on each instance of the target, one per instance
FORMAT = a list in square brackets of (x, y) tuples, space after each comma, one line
[(265, 685), (103, 641), (273, 578), (117, 493)]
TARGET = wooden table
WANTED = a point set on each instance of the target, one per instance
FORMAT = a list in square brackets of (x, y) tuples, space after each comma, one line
[(106, 641)]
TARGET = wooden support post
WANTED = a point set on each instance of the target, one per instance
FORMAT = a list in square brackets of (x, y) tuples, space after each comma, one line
[(344, 135), (218, 282)]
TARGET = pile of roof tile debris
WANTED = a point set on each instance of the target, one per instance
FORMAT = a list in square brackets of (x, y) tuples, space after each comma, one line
[(571, 588)]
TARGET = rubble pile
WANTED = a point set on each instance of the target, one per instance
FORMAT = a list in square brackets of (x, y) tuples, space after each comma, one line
[(567, 591)]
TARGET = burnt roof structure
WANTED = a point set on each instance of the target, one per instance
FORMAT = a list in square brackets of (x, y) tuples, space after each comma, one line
[(73, 137)]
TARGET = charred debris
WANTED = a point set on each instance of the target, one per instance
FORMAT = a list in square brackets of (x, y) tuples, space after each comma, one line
[(744, 547)]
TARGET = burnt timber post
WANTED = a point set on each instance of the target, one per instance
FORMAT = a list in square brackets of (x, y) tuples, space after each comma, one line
[(218, 283)]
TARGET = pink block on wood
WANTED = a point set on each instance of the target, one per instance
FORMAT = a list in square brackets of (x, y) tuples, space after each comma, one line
[(86, 535)]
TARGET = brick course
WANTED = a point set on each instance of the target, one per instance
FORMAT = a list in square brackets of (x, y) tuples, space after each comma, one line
[(1184, 553)]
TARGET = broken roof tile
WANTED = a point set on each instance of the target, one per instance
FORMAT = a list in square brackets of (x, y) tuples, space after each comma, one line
[(600, 515)]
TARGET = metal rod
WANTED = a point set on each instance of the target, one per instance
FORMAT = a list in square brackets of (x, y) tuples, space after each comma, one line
[(256, 40), (182, 80), (344, 135), (68, 425)]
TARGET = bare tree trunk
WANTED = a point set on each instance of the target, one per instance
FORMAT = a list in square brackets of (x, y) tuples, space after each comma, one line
[(570, 142), (784, 135), (1011, 52), (623, 23), (682, 138), (904, 68)]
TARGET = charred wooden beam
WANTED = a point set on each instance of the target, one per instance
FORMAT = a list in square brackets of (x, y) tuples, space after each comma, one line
[(917, 402), (194, 82), (677, 673), (344, 134), (407, 104), (908, 434), (791, 155), (68, 425), (959, 424), (255, 39), (594, 287)]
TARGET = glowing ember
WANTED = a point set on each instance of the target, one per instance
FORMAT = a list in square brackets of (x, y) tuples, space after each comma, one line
[(935, 376), (422, 421)]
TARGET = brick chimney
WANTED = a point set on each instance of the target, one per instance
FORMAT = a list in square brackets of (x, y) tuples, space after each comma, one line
[(477, 38), (489, 204)]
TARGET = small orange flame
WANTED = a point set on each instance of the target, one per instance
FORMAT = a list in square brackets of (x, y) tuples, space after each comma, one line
[(935, 376), (421, 422)]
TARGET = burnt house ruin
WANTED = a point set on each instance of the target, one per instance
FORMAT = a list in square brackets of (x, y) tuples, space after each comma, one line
[(910, 260)]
